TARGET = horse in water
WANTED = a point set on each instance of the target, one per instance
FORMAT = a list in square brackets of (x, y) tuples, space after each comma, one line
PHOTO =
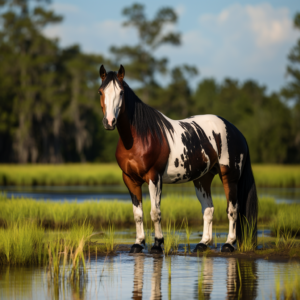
[(155, 149)]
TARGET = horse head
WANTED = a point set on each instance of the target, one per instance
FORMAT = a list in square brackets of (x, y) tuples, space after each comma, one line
[(111, 96)]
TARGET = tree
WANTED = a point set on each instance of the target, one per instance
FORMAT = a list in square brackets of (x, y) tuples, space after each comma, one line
[(292, 91), (141, 65)]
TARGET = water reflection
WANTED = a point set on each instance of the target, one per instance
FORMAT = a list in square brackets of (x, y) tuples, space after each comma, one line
[(241, 281), (147, 277), (138, 280)]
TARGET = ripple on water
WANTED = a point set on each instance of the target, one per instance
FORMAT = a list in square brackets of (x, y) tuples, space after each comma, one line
[(147, 277)]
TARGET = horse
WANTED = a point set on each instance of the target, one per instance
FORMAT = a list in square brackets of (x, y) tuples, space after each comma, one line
[(155, 149)]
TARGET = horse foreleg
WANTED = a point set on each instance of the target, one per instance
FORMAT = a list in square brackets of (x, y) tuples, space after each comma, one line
[(155, 188), (202, 187), (136, 197)]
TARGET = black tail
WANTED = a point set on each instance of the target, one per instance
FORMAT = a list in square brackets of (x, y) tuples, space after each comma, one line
[(247, 201)]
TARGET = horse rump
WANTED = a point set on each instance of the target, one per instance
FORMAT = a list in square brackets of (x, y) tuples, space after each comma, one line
[(247, 205)]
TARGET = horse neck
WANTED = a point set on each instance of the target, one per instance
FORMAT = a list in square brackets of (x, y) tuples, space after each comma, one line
[(125, 130)]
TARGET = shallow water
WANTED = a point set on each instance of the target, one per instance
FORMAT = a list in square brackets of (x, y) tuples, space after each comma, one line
[(81, 193), (147, 277)]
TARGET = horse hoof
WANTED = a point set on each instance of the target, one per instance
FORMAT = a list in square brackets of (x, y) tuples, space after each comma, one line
[(200, 247), (156, 250), (227, 248), (136, 248)]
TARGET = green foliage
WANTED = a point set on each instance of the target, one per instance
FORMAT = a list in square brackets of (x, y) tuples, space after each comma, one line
[(49, 107)]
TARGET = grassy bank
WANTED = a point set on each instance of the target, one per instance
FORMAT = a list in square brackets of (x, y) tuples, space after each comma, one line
[(62, 215), (102, 174)]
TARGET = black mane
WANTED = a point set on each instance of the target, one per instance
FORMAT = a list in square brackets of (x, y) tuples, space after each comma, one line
[(144, 118)]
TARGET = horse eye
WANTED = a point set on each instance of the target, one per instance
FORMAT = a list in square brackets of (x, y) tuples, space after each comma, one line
[(100, 93), (122, 93)]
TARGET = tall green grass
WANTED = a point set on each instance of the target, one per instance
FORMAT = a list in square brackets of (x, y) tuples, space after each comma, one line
[(101, 174), (174, 208), (64, 174), (287, 219), (26, 243)]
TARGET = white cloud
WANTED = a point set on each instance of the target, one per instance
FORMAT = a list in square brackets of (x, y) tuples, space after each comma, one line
[(65, 8), (180, 10), (94, 37), (241, 41)]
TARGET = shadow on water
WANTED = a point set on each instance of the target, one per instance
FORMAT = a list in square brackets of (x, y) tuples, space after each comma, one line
[(146, 277)]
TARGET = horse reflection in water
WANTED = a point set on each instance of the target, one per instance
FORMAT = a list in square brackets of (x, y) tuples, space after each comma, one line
[(241, 282), (139, 276)]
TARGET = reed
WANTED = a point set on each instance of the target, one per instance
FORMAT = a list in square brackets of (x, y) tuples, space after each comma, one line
[(174, 208), (103, 174), (64, 174), (287, 220), (26, 243), (107, 243), (171, 239), (188, 233), (248, 237)]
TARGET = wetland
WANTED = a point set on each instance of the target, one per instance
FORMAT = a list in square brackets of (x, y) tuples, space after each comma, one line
[(73, 242)]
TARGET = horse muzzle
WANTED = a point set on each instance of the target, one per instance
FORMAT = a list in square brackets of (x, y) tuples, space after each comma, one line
[(107, 126)]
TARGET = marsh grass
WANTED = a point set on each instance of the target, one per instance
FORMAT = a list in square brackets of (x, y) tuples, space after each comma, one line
[(19, 241), (287, 221), (64, 174), (171, 239), (248, 242), (188, 233), (108, 243), (101, 174), (26, 243), (62, 215)]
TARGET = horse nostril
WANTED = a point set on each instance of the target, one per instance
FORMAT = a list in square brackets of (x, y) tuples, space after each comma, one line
[(104, 122), (114, 121)]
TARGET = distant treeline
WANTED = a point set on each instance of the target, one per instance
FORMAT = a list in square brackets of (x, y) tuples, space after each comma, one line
[(50, 110)]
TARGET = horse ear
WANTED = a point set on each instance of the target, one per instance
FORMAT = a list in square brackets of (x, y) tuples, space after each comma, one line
[(102, 72), (121, 73)]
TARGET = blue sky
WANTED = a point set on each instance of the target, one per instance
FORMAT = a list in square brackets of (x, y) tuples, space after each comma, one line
[(242, 40)]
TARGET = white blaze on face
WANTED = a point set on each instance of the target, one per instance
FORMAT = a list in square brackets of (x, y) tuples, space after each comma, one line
[(113, 101)]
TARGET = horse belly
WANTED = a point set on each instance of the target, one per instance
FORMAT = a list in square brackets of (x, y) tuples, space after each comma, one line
[(192, 153), (183, 167), (178, 174)]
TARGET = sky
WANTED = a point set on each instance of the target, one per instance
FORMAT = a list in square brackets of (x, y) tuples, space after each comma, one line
[(222, 38)]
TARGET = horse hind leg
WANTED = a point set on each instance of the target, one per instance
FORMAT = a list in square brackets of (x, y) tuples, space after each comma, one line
[(230, 179), (155, 189), (203, 192)]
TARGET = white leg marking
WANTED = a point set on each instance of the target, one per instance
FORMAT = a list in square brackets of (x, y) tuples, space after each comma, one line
[(155, 195), (232, 217), (138, 217), (208, 212)]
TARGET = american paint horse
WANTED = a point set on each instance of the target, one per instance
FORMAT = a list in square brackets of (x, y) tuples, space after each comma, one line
[(155, 149)]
